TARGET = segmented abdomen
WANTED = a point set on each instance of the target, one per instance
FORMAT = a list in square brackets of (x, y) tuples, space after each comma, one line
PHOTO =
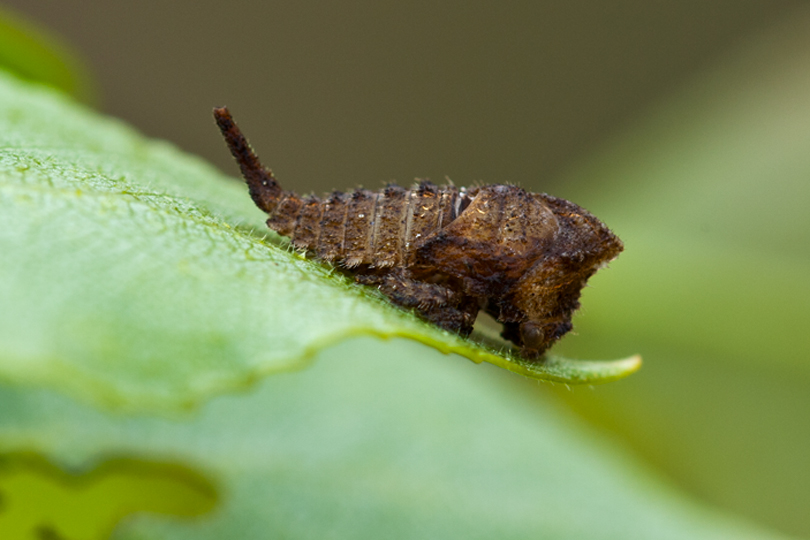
[(378, 229)]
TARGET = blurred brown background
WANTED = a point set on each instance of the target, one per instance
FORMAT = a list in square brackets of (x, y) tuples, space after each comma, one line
[(338, 94)]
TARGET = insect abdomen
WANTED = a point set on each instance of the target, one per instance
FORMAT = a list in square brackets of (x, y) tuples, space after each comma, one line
[(374, 229), (329, 245), (357, 229), (386, 241)]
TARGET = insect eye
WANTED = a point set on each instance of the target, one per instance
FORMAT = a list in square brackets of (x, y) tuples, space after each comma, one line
[(532, 335)]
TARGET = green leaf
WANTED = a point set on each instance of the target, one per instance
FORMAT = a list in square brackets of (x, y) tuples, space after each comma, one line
[(31, 53), (376, 440), (140, 277), (137, 277)]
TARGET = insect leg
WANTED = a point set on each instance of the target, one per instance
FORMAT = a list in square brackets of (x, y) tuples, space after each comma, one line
[(459, 318), (264, 189), (444, 307)]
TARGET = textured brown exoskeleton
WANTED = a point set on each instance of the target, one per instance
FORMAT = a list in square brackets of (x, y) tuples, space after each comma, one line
[(446, 252)]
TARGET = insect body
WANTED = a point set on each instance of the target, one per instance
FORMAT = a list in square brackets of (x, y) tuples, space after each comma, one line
[(446, 252)]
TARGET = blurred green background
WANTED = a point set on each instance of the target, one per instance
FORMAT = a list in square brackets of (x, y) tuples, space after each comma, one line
[(684, 125), (345, 93)]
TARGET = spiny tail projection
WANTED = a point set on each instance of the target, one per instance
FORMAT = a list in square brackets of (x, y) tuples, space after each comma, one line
[(264, 189), (362, 228)]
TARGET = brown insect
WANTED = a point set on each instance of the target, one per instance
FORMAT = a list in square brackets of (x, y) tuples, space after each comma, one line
[(446, 252)]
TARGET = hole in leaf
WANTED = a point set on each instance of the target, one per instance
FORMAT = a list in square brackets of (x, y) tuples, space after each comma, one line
[(41, 501)]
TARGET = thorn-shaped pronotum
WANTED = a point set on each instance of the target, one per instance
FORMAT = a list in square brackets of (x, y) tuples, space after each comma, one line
[(446, 252)]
